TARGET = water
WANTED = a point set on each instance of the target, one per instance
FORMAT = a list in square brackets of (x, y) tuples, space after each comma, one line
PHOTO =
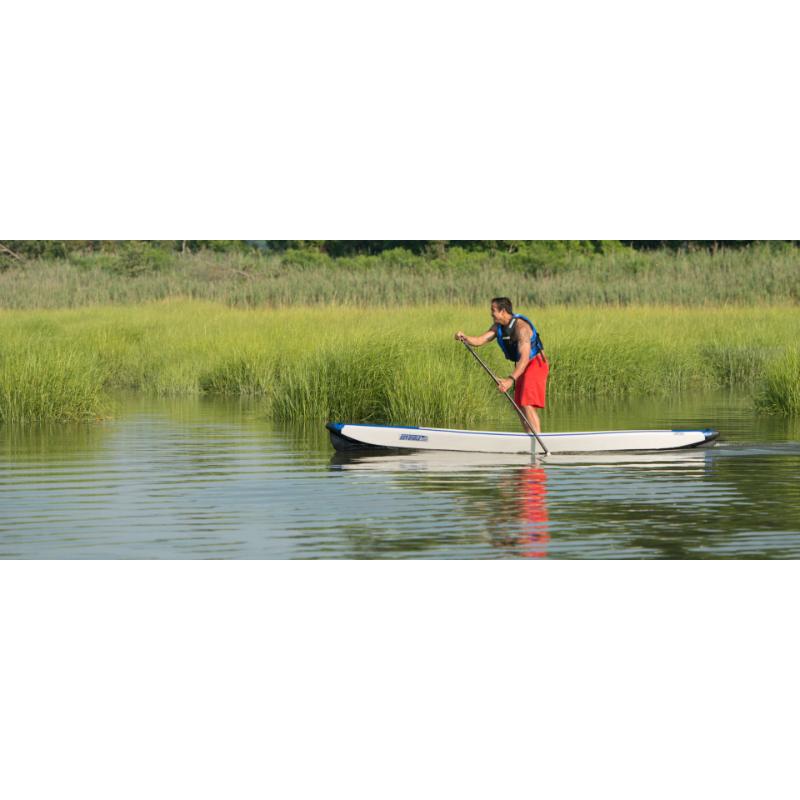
[(203, 479)]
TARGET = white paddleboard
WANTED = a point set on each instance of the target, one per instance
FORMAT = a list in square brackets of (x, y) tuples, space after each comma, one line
[(349, 436)]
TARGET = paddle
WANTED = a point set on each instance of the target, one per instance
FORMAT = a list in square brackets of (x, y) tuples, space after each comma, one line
[(510, 398)]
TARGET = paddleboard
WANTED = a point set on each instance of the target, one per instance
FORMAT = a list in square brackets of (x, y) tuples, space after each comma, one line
[(350, 436)]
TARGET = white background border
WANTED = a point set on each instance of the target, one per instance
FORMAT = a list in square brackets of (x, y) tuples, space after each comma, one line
[(395, 680), (414, 120)]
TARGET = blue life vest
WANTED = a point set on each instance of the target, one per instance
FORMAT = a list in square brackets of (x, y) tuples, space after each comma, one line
[(509, 347)]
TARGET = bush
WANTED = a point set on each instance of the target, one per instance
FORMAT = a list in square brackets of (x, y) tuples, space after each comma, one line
[(139, 257)]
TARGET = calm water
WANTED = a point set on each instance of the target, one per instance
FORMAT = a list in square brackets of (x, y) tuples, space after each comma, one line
[(201, 479)]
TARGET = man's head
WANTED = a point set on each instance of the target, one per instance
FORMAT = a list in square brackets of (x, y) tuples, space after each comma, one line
[(501, 310)]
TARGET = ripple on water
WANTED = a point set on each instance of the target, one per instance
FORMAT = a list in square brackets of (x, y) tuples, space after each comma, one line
[(204, 483)]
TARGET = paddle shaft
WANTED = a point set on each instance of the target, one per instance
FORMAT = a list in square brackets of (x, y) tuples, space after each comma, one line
[(511, 400)]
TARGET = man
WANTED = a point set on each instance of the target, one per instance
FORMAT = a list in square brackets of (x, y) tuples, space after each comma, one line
[(520, 343)]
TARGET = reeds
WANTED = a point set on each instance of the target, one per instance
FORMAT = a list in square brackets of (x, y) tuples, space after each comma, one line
[(780, 388), (394, 366), (50, 383), (758, 274)]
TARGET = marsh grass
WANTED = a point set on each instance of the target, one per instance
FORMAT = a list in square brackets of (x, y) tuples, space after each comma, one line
[(780, 388), (621, 276), (394, 366), (50, 383), (240, 374)]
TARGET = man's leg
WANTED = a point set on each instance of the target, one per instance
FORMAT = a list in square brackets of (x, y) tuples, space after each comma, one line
[(532, 417)]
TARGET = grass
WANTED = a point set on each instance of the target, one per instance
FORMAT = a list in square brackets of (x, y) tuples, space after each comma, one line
[(621, 276), (395, 366), (780, 389), (51, 383)]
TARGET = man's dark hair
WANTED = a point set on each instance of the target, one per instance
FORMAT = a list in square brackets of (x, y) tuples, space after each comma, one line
[(502, 303)]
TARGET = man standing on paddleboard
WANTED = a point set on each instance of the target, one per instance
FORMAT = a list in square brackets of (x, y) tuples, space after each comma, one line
[(520, 342)]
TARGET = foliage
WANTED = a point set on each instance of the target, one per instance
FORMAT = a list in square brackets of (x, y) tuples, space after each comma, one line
[(780, 388), (394, 366), (533, 253), (618, 276), (42, 380)]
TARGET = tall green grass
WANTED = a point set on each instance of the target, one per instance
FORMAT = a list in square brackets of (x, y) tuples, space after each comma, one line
[(396, 366), (621, 276), (50, 383), (780, 387)]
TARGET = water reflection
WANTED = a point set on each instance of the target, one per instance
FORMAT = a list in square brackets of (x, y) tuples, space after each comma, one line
[(532, 494), (507, 492), (522, 524), (199, 479), (675, 504)]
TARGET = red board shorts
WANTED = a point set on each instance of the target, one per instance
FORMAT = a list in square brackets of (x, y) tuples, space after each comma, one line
[(530, 388)]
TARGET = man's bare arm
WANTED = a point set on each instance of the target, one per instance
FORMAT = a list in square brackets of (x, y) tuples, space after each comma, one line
[(477, 341), (524, 358), (523, 333)]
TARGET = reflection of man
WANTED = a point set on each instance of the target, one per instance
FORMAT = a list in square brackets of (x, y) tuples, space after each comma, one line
[(523, 526), (520, 343), (533, 507)]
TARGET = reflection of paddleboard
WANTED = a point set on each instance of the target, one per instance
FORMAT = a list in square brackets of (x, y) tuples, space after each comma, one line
[(434, 461), (451, 461), (346, 436), (651, 459)]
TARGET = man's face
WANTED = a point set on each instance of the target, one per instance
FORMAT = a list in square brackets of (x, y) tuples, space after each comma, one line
[(500, 316)]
